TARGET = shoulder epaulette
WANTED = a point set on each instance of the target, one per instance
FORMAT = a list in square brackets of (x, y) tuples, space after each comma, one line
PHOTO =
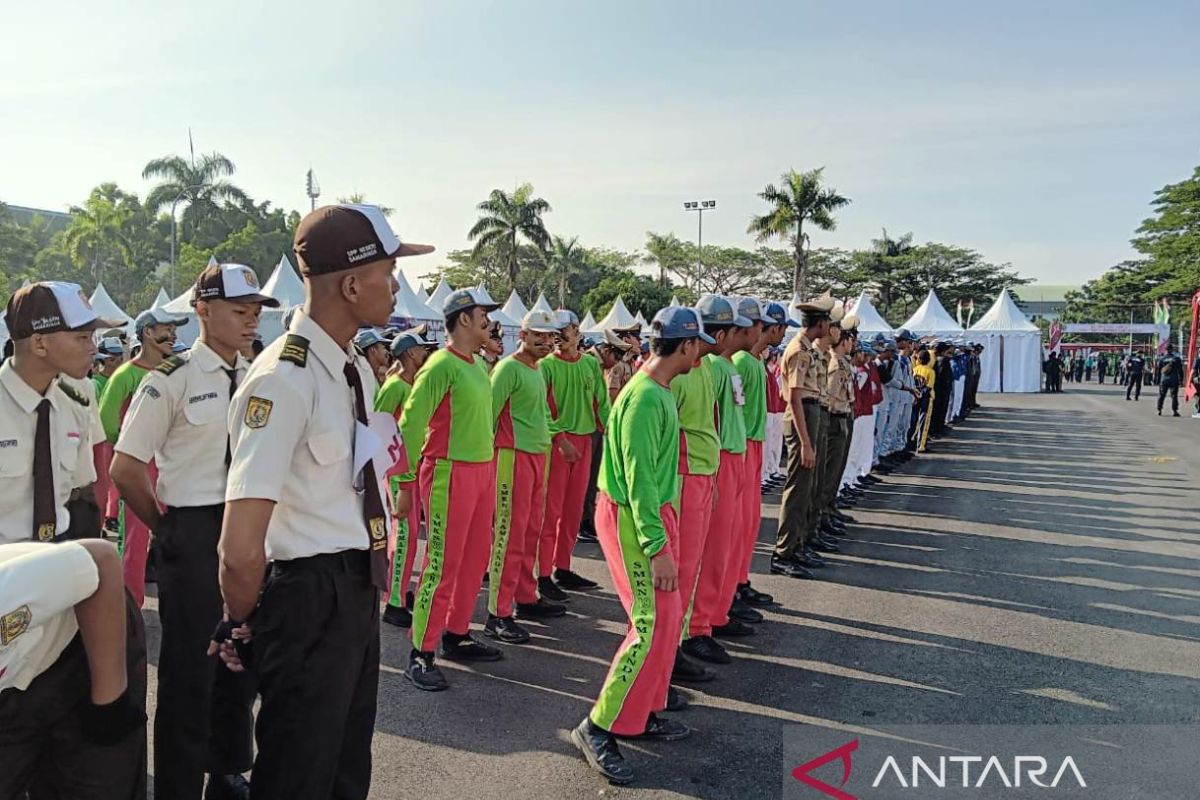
[(170, 364), (74, 394), (295, 350)]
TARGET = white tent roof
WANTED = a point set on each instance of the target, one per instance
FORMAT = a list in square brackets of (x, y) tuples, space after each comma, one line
[(640, 320), (588, 324), (514, 308), (542, 304), (181, 304), (869, 320), (104, 306), (408, 304), (932, 317), (285, 285), (423, 293), (617, 317), (1004, 315), (161, 299), (439, 295), (504, 319), (674, 302)]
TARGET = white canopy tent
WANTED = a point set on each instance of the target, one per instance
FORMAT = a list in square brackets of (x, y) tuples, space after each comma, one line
[(439, 295), (284, 285), (869, 319), (161, 299), (932, 319), (617, 317), (640, 320), (1011, 360), (588, 324), (106, 307), (408, 303), (514, 308), (423, 293), (674, 302), (542, 304)]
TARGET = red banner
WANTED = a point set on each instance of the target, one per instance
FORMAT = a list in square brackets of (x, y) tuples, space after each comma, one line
[(1056, 332), (1190, 389)]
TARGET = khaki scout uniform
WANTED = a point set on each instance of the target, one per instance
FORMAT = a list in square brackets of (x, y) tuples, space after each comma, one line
[(804, 368), (841, 420)]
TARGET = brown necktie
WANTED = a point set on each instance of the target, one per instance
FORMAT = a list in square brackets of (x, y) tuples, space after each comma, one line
[(44, 513), (373, 513), (232, 373)]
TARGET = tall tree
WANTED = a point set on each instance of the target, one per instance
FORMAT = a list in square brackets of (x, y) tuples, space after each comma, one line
[(564, 260), (1171, 238), (799, 198), (505, 219), (358, 199), (96, 237), (202, 185)]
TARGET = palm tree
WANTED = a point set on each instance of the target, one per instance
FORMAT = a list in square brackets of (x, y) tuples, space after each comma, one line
[(563, 261), (799, 198), (358, 199), (506, 217), (887, 252), (95, 236), (201, 184), (669, 253)]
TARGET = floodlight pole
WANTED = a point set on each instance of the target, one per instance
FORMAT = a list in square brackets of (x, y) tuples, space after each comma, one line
[(699, 206)]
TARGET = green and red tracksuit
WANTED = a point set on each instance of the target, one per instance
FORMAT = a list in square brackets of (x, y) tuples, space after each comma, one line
[(578, 400), (402, 539), (722, 547), (699, 455), (635, 521), (522, 428), (133, 534), (102, 453), (448, 420), (754, 411)]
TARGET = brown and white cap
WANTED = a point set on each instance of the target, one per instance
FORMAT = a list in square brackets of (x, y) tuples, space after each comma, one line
[(340, 237), (234, 282), (51, 307)]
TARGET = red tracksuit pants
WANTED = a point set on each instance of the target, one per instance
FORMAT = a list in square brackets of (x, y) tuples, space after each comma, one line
[(565, 491), (695, 513), (133, 539), (640, 674), (520, 496), (722, 548), (751, 514), (458, 538)]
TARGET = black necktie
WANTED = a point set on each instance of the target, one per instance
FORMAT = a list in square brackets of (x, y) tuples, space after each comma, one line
[(373, 513), (44, 514), (232, 373)]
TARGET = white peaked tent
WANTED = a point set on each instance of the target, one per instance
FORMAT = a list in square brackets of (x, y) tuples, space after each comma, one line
[(285, 285), (674, 302), (617, 317), (439, 295), (514, 308), (932, 318), (869, 319), (423, 293), (588, 324), (408, 303), (640, 320), (542, 304), (1012, 357), (161, 299), (106, 308)]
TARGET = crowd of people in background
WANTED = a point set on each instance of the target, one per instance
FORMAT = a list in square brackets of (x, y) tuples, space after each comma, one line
[(1132, 370)]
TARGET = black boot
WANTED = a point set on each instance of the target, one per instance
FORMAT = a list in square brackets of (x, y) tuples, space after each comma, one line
[(600, 749)]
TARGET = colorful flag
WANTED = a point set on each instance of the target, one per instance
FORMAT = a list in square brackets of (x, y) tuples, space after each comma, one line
[(1055, 336), (1190, 387)]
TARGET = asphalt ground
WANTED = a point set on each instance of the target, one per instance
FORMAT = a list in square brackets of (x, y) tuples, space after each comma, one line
[(1039, 566)]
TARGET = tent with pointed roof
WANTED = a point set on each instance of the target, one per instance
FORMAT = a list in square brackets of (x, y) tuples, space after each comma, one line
[(640, 320), (440, 293), (1012, 357), (284, 285), (542, 304), (423, 293), (869, 319), (161, 299), (932, 318), (514, 308), (408, 303), (588, 324), (674, 302), (617, 317), (106, 307)]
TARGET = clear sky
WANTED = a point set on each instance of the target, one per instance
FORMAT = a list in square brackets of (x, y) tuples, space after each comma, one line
[(1034, 132)]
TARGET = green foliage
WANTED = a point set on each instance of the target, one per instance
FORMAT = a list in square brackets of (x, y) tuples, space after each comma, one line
[(640, 293), (506, 219)]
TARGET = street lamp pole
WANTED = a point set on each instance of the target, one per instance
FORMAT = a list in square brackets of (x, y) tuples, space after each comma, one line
[(699, 206)]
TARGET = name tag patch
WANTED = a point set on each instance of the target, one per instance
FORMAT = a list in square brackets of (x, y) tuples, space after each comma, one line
[(201, 397), (7, 443)]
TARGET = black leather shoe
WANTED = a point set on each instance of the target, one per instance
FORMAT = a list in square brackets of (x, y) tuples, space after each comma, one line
[(395, 615), (752, 597), (813, 555), (587, 536), (464, 648), (227, 787), (662, 729), (542, 609), (676, 700), (845, 519), (788, 568), (566, 579), (809, 560), (600, 749), (688, 671), (734, 629), (871, 479), (504, 629), (843, 505), (705, 648), (744, 613), (832, 527), (823, 545), (424, 673), (549, 591)]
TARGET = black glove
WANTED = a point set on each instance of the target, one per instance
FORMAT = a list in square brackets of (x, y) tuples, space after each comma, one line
[(224, 633)]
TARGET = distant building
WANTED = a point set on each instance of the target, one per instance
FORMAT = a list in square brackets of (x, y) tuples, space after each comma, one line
[(55, 220), (1043, 301)]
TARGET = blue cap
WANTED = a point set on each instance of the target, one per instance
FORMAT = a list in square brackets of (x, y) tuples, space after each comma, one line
[(680, 322), (155, 317), (905, 335), (367, 337), (749, 308), (466, 299), (776, 314), (718, 310), (407, 341), (179, 347), (110, 346), (565, 318)]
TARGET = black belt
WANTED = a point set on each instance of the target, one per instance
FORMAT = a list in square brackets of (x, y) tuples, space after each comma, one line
[(841, 416), (808, 401), (343, 561)]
